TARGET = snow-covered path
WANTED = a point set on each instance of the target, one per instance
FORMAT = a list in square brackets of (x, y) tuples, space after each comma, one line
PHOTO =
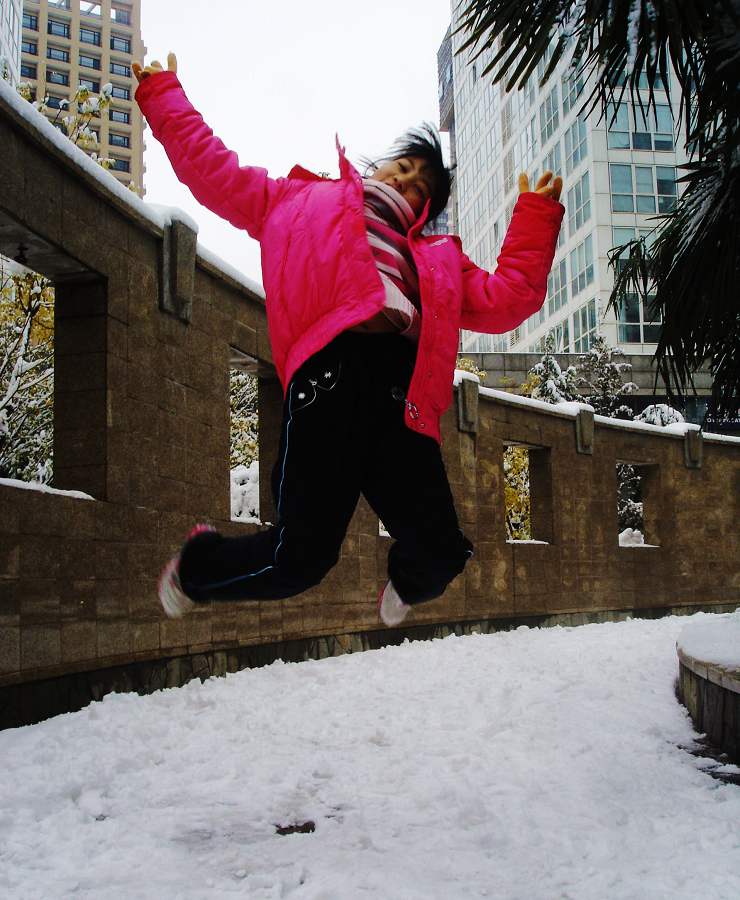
[(529, 765)]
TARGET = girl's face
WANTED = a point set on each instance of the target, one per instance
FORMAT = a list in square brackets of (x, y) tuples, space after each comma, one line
[(410, 177)]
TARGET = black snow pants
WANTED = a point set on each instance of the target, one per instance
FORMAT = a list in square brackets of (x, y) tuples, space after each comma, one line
[(342, 434)]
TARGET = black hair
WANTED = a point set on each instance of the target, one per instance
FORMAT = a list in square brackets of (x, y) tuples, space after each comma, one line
[(424, 143)]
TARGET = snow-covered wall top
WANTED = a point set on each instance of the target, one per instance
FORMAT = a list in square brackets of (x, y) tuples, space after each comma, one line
[(570, 410), (148, 214), (714, 640)]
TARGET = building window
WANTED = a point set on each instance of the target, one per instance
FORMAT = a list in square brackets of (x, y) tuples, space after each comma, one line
[(30, 21), (506, 122), (635, 322), (30, 47), (571, 88), (120, 115), (118, 140), (581, 266), (90, 62), (92, 84), (642, 197), (121, 165), (549, 116), (57, 53), (120, 43), (54, 76), (666, 178), (553, 162), (28, 70), (56, 102), (561, 335), (58, 4), (644, 189), (648, 132), (527, 146), (58, 28), (118, 68), (508, 170), (557, 288), (120, 16), (579, 205), (618, 134), (90, 36), (584, 326), (621, 188), (121, 93), (90, 9), (576, 146)]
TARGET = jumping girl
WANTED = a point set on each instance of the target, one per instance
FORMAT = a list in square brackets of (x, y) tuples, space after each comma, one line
[(364, 313)]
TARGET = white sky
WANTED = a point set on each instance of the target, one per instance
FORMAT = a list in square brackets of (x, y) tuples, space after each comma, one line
[(277, 81)]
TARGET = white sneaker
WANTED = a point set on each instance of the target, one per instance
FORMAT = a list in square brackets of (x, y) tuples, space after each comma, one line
[(391, 609), (175, 602)]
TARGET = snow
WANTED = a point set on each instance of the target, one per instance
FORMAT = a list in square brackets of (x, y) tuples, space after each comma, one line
[(631, 537), (230, 271), (245, 493), (516, 541), (526, 765), (713, 640), (568, 408), (42, 488)]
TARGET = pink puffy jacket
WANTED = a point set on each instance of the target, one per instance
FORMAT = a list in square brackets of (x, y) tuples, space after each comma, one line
[(318, 270)]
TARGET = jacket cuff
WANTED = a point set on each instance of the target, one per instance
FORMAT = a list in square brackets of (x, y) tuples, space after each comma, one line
[(155, 85), (543, 206)]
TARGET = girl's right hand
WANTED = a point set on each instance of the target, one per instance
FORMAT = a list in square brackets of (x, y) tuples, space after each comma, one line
[(154, 68)]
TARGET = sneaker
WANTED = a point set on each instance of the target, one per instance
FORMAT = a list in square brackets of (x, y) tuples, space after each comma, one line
[(175, 602), (391, 609)]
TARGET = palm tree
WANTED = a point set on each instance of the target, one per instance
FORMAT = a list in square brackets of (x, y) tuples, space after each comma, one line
[(690, 275)]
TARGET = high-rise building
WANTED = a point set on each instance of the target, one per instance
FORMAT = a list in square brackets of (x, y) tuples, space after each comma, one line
[(67, 43), (10, 40), (618, 174)]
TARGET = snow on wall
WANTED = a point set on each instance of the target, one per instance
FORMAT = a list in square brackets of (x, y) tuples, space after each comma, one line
[(156, 214), (714, 639)]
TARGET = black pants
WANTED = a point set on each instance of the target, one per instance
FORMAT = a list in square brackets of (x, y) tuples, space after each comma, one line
[(343, 434)]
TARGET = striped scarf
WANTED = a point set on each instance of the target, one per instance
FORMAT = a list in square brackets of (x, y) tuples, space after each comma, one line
[(388, 218)]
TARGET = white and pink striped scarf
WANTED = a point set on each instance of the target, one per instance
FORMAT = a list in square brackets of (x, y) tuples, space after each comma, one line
[(388, 218)]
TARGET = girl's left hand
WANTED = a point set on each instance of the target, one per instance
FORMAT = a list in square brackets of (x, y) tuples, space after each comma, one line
[(544, 186)]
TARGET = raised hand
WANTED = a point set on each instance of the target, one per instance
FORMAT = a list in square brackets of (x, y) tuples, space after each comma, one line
[(544, 186), (154, 68)]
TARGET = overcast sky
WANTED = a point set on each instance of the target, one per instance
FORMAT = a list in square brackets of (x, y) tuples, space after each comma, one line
[(277, 80)]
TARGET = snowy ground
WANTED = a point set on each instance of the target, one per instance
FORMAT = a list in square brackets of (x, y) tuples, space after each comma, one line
[(529, 765)]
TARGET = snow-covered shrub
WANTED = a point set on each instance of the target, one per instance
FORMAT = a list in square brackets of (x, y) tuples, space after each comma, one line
[(659, 414), (601, 376), (467, 365), (553, 385)]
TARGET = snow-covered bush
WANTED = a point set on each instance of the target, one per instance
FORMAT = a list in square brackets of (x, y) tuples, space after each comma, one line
[(554, 384), (659, 414), (26, 377), (600, 374)]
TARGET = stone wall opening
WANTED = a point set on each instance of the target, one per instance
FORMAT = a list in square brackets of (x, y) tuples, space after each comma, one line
[(637, 519), (26, 373), (527, 493), (244, 464)]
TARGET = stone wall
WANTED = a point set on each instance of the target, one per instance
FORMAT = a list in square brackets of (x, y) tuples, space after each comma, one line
[(145, 330)]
